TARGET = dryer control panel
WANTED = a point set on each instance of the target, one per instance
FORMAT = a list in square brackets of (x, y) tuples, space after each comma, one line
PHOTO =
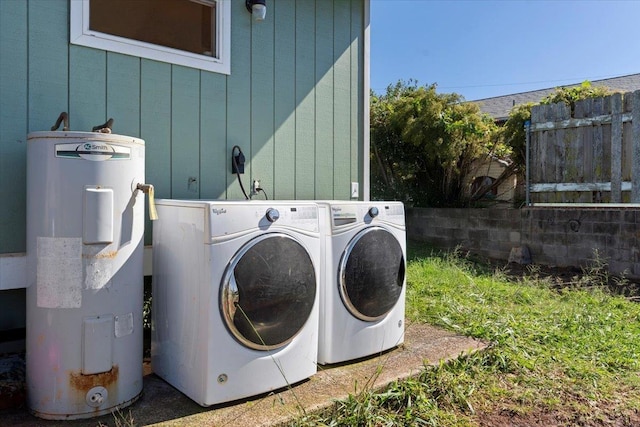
[(229, 219), (343, 215)]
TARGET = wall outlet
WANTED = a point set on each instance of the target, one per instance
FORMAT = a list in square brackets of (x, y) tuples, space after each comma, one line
[(237, 166), (256, 186), (354, 190)]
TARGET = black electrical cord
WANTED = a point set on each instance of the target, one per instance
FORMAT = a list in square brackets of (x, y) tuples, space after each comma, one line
[(235, 165), (265, 193)]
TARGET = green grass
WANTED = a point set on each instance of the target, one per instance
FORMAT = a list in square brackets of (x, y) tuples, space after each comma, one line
[(570, 354)]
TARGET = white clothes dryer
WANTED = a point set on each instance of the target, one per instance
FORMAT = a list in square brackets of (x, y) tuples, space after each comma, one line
[(362, 279), (235, 286)]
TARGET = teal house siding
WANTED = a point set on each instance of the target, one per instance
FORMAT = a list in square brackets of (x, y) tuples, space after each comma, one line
[(284, 61), (14, 116), (294, 103)]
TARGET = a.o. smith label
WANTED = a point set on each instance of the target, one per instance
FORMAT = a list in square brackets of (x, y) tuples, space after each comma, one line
[(93, 150)]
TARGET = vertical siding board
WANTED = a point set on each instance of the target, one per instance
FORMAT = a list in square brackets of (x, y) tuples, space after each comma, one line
[(552, 142), (547, 152), (342, 100), (213, 136), (239, 97), (48, 75), (185, 133), (585, 140), (566, 150), (599, 150), (155, 124), (604, 106), (543, 146), (357, 90), (616, 148), (324, 101), (284, 99), (87, 87), (13, 125), (262, 104), (533, 148), (552, 164), (123, 93), (606, 138), (627, 141), (305, 99), (155, 129), (548, 155), (627, 138)]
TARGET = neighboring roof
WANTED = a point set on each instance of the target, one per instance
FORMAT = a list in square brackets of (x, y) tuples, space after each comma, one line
[(499, 107)]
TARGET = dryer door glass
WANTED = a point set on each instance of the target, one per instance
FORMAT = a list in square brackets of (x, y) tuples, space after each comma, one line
[(371, 274), (268, 291)]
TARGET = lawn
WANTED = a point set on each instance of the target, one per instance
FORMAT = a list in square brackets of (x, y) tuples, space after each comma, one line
[(564, 355)]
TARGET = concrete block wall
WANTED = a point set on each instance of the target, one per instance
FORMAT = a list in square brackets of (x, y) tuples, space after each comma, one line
[(555, 236)]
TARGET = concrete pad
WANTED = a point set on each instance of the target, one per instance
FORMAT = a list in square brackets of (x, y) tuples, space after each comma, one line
[(163, 405)]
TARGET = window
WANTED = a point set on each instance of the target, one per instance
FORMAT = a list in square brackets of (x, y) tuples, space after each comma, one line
[(483, 183), (193, 33)]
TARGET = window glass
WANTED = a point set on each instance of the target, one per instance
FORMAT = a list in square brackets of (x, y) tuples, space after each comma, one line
[(193, 33), (484, 182), (179, 24)]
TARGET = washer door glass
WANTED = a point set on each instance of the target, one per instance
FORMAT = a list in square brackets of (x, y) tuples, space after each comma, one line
[(371, 274), (268, 291)]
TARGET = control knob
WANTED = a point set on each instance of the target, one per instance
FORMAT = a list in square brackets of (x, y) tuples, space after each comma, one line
[(272, 215)]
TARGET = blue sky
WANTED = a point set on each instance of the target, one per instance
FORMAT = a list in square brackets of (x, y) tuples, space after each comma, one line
[(481, 49)]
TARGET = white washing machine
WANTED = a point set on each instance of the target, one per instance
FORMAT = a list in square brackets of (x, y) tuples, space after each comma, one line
[(235, 296), (362, 291)]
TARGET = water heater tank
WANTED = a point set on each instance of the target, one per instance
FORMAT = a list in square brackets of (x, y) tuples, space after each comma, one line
[(85, 223)]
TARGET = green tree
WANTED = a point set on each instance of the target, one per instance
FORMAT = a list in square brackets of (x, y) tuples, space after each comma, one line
[(569, 95), (423, 144), (513, 135)]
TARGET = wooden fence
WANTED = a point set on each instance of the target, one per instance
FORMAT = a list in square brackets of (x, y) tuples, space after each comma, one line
[(588, 155)]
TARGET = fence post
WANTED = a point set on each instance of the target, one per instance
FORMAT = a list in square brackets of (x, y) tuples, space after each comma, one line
[(635, 157), (616, 148), (527, 127)]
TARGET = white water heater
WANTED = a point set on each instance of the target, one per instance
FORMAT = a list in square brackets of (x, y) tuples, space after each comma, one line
[(85, 224)]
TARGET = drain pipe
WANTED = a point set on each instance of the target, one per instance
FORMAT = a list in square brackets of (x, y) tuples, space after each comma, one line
[(148, 190)]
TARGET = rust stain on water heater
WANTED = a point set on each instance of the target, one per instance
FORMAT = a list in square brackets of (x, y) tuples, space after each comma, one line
[(86, 382)]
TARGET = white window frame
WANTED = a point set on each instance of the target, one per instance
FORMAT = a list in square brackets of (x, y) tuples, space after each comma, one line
[(83, 36)]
